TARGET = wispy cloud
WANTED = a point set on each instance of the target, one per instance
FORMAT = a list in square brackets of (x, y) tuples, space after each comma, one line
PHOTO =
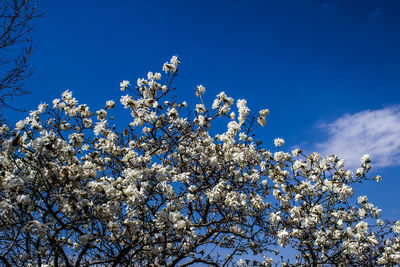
[(374, 132)]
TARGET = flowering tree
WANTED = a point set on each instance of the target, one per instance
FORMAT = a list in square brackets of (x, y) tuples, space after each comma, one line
[(164, 191)]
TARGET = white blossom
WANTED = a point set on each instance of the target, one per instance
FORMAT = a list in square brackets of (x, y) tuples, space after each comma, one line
[(279, 142), (365, 158), (200, 90), (110, 104), (124, 84)]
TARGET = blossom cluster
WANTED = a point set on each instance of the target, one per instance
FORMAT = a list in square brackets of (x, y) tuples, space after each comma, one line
[(166, 191)]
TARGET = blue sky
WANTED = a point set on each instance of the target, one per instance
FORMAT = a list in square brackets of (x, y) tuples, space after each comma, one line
[(329, 71)]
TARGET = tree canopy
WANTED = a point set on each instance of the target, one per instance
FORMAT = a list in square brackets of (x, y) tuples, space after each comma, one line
[(164, 191)]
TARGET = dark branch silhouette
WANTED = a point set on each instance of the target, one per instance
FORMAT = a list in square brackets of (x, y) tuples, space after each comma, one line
[(15, 48)]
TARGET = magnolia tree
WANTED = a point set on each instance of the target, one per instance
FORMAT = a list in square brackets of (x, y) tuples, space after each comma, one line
[(164, 191)]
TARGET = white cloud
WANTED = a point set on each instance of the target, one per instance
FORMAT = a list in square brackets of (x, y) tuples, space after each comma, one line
[(374, 132)]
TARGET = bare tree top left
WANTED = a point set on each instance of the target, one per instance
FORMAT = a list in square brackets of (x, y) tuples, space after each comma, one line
[(15, 47)]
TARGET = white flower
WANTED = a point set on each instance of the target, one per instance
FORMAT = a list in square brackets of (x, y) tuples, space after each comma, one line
[(362, 213), (283, 237), (200, 108), (4, 129), (101, 114), (365, 158), (296, 152), (110, 104), (362, 199), (20, 125), (261, 117), (362, 227), (396, 227), (275, 218), (360, 171), (181, 224), (157, 76), (216, 103), (200, 90), (174, 60), (172, 66), (261, 121), (318, 209), (42, 107), (124, 84), (243, 110), (279, 142), (263, 113)]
